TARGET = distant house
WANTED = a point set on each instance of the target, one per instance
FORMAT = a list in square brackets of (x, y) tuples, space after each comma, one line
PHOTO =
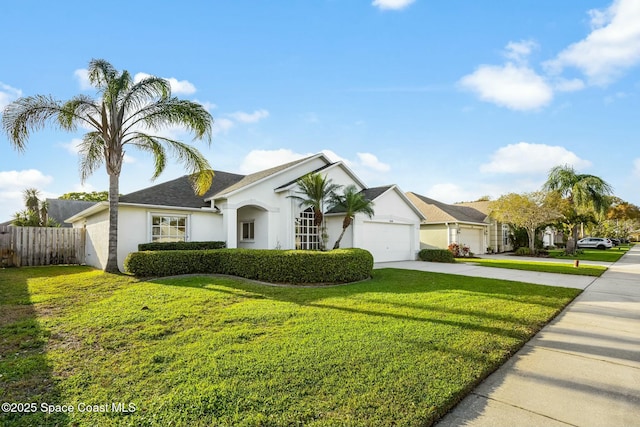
[(498, 233), (446, 224), (253, 211)]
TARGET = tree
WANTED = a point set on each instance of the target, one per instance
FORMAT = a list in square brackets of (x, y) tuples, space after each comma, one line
[(94, 196), (584, 193), (121, 117), (315, 192), (352, 202), (528, 211), (36, 212)]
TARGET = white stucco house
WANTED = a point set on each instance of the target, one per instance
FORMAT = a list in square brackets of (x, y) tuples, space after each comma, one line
[(253, 211)]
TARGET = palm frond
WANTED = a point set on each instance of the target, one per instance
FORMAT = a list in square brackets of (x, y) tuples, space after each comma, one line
[(174, 111), (79, 108), (151, 145), (91, 154), (27, 114), (101, 73)]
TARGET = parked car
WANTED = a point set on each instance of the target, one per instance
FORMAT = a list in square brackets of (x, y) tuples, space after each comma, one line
[(614, 241), (595, 242)]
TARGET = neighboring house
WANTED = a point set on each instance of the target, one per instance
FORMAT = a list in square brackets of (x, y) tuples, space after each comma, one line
[(59, 210), (252, 211), (498, 233), (446, 224)]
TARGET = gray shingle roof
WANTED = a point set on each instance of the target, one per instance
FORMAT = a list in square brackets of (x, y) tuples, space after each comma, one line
[(61, 209), (178, 192), (368, 193), (436, 211)]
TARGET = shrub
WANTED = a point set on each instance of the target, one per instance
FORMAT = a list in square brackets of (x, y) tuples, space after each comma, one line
[(459, 250), (276, 266), (436, 255), (180, 246), (523, 251)]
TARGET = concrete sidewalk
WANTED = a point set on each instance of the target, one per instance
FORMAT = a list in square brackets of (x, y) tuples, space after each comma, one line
[(583, 369)]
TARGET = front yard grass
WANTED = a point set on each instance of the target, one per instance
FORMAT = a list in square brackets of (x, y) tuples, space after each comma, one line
[(542, 266), (400, 349), (607, 255)]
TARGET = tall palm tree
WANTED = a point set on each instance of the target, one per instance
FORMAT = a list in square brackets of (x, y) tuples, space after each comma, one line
[(352, 202), (315, 192), (582, 191), (31, 198), (122, 115)]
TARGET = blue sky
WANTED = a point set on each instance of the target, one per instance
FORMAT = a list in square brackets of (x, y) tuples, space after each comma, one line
[(451, 99)]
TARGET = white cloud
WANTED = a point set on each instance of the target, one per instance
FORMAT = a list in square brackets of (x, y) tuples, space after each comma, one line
[(178, 87), (370, 161), (19, 180), (254, 117), (519, 51), (513, 86), (612, 47), (82, 75), (206, 104), (258, 160), (391, 4), (524, 157), (8, 94), (222, 125)]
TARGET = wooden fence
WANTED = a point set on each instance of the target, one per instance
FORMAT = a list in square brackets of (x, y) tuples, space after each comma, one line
[(30, 246)]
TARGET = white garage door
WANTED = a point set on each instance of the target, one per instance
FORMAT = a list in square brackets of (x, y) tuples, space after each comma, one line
[(471, 237), (388, 241)]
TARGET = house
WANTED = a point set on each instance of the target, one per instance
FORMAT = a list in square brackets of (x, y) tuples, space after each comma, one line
[(446, 224), (498, 233), (253, 211)]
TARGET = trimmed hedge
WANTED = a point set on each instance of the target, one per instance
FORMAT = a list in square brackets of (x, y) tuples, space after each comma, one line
[(180, 246), (268, 265), (436, 255)]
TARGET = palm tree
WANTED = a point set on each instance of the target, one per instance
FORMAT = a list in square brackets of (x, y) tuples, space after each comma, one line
[(31, 198), (122, 116), (582, 191), (352, 202), (315, 191)]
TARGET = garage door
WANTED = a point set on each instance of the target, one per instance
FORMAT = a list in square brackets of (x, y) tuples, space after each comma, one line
[(472, 237), (388, 241)]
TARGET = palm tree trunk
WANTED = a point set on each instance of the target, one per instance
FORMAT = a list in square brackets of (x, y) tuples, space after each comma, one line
[(112, 258), (336, 245)]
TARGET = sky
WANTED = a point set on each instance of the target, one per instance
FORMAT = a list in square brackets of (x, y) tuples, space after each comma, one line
[(451, 99)]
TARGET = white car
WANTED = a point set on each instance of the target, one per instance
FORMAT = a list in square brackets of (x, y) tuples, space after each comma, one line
[(595, 242)]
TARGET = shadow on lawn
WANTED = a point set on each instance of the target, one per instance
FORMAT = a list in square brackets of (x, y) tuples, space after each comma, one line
[(26, 377)]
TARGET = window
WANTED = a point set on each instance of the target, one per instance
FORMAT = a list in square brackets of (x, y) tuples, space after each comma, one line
[(168, 228), (505, 235), (247, 230), (306, 231)]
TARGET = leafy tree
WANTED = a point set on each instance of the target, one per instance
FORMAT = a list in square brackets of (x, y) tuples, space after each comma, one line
[(584, 193), (352, 202), (315, 191), (528, 211), (121, 117), (94, 196)]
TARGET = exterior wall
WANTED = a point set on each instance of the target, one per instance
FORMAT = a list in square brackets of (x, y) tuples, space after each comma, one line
[(334, 228), (261, 224), (97, 239), (434, 236), (134, 228)]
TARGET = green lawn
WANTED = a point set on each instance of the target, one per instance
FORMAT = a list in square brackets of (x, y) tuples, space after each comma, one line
[(607, 255), (400, 349), (547, 267)]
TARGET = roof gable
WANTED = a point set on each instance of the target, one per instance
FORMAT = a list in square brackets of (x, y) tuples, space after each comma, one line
[(61, 209), (436, 211), (260, 176)]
